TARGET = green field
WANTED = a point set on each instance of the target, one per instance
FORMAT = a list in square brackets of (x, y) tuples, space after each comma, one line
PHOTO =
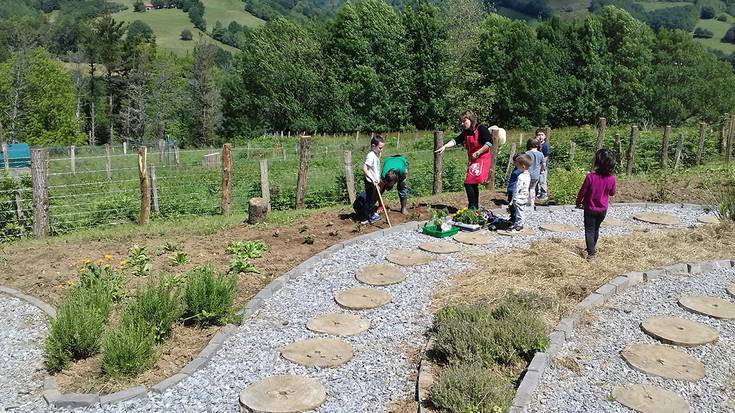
[(570, 9), (167, 24), (656, 5), (516, 15), (718, 28)]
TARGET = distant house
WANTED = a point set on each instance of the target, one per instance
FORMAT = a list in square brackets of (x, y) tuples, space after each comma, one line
[(148, 6)]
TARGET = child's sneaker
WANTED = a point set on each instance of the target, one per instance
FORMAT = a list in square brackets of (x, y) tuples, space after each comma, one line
[(374, 218)]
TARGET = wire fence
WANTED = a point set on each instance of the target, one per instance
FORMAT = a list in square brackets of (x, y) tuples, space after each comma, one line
[(94, 186)]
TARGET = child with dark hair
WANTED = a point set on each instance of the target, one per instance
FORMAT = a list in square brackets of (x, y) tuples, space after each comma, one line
[(593, 197), (521, 195), (537, 158), (395, 171), (542, 190), (371, 169)]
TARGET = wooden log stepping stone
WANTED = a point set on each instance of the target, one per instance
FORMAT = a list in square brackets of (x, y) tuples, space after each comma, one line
[(380, 274), (613, 222), (558, 227), (657, 218), (440, 247), (731, 290), (709, 306), (283, 394), (646, 398), (679, 331), (338, 324), (474, 238), (362, 298), (318, 352), (663, 361), (525, 231), (708, 219), (409, 258)]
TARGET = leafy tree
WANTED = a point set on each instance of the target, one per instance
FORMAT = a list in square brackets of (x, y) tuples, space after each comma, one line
[(46, 112), (140, 32), (196, 15), (186, 35), (139, 6), (707, 12), (205, 95), (427, 45), (703, 33), (729, 36), (218, 32), (722, 17)]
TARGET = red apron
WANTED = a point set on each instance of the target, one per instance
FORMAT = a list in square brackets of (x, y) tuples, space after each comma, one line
[(477, 169)]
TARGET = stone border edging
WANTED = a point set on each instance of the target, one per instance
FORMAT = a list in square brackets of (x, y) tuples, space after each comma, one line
[(46, 308), (563, 331), (71, 400)]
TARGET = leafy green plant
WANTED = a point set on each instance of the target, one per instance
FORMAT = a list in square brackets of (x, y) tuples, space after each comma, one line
[(103, 274), (241, 263), (661, 180), (75, 332), (468, 216), (309, 239), (128, 350), (168, 246), (564, 184), (208, 296), (251, 249), (470, 388), (438, 216), (179, 258), (138, 260), (158, 305)]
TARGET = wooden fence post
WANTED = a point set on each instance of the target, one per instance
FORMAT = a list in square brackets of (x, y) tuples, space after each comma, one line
[(161, 142), (631, 150), (145, 187), (665, 147), (108, 161), (730, 133), (39, 176), (700, 148), (226, 201), (19, 208), (73, 159), (398, 142), (493, 159), (601, 126), (154, 188), (350, 177), (357, 137), (6, 160), (618, 145), (265, 188), (572, 151), (177, 158), (438, 143), (125, 148), (723, 133), (679, 148), (303, 171), (509, 169)]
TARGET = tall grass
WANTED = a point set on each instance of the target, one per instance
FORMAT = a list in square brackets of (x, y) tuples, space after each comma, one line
[(209, 296)]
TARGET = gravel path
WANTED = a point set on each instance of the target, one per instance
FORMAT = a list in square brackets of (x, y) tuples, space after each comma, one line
[(583, 374), (380, 372), (21, 355)]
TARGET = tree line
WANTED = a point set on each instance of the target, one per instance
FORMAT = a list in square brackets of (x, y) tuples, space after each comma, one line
[(371, 67)]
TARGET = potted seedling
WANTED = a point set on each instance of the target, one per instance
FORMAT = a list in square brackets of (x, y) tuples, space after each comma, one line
[(439, 225)]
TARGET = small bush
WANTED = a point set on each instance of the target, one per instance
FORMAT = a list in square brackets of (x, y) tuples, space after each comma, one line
[(208, 296), (158, 305), (470, 388), (703, 33), (722, 17), (186, 35), (76, 330), (477, 334), (129, 349), (101, 273), (726, 197), (565, 184), (179, 258), (139, 260)]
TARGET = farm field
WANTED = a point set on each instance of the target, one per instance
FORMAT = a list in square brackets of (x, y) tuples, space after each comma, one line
[(718, 30)]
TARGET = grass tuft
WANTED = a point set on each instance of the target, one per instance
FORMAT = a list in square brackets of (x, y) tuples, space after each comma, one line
[(208, 296)]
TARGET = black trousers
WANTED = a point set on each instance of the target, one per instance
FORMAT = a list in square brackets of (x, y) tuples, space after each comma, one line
[(473, 195), (371, 195), (592, 222)]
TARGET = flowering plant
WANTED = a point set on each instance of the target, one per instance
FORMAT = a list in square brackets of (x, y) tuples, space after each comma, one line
[(468, 216)]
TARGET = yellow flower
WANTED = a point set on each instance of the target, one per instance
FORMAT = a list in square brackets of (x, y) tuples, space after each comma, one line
[(108, 257), (107, 265), (87, 262), (82, 270), (99, 261)]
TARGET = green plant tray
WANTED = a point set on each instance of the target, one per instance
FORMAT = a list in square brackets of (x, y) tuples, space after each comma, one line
[(431, 230)]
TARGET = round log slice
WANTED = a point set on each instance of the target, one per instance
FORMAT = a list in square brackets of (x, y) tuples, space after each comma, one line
[(362, 298), (708, 219), (440, 247), (663, 361), (731, 290), (558, 227), (318, 352), (409, 258), (613, 222), (283, 394), (338, 324), (657, 218), (524, 231), (679, 331), (474, 238), (709, 306), (646, 398), (380, 274)]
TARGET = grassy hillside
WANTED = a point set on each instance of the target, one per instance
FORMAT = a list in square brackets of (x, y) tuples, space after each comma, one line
[(718, 28), (656, 5), (168, 23)]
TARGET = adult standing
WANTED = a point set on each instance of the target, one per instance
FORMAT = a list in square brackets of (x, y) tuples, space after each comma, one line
[(477, 140), (543, 186)]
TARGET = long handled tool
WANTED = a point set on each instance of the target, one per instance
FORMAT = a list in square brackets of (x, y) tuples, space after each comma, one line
[(385, 208)]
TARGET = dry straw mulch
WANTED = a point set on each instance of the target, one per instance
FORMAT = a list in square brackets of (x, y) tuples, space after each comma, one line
[(556, 270)]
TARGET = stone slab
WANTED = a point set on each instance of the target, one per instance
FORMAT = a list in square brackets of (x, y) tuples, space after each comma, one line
[(613, 222), (558, 227), (73, 400), (606, 290), (194, 365), (620, 282), (592, 300), (338, 324), (318, 352), (653, 274), (731, 290), (526, 231), (409, 258), (526, 389), (474, 238), (380, 274), (709, 306), (657, 218), (163, 385), (362, 298), (700, 267), (440, 247), (677, 269), (646, 398), (283, 394), (679, 331), (708, 219), (634, 278), (539, 363), (663, 361), (127, 394)]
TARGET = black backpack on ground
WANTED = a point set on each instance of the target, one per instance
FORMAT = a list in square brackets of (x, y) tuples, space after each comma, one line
[(360, 206)]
